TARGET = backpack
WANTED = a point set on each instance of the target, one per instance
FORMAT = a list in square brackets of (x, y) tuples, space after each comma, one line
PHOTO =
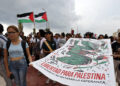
[(23, 44), (1, 52), (1, 48)]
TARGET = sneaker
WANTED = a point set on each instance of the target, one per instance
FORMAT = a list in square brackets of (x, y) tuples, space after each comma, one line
[(54, 82), (47, 81), (39, 73)]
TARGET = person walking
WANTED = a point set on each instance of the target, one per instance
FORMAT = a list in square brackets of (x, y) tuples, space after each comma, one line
[(116, 55), (48, 46), (15, 52), (3, 74)]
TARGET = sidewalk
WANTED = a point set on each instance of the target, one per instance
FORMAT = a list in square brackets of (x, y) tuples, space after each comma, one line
[(36, 79)]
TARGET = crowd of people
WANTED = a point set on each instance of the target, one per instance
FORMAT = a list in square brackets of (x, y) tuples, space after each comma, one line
[(17, 50)]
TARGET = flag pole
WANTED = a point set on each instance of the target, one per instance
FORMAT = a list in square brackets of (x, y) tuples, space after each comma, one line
[(34, 29), (18, 22), (20, 26), (47, 23)]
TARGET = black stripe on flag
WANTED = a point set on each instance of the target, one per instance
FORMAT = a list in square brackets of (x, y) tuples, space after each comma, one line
[(24, 14), (40, 14)]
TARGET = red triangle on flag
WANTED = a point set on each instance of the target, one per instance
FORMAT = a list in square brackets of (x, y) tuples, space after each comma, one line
[(45, 16), (31, 17)]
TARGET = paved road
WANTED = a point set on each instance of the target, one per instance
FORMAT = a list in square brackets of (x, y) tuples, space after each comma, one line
[(34, 79)]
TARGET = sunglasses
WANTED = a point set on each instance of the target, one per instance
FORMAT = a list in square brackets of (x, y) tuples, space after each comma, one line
[(11, 32)]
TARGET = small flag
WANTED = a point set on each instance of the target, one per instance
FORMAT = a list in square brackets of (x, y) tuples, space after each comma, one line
[(26, 17), (41, 17)]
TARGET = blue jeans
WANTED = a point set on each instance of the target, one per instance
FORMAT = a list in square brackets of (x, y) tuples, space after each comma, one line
[(19, 69)]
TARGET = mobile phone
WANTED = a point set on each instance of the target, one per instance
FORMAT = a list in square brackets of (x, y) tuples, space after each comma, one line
[(12, 76)]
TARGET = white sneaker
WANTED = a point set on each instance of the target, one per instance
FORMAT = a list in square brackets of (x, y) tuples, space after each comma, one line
[(54, 82), (47, 81)]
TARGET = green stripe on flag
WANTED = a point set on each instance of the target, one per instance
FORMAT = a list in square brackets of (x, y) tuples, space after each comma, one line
[(25, 21), (39, 21)]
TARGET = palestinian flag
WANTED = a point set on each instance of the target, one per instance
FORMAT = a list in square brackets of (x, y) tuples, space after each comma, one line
[(25, 17), (41, 17)]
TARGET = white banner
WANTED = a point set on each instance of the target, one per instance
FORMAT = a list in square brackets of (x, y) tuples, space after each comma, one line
[(80, 62)]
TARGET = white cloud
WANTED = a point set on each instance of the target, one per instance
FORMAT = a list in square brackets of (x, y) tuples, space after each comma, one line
[(60, 13), (99, 16)]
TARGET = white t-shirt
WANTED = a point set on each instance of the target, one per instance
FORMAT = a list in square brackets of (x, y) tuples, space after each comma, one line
[(41, 43), (62, 42), (34, 40), (57, 42)]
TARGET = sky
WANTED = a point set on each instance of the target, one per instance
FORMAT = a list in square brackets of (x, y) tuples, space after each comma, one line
[(97, 16)]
